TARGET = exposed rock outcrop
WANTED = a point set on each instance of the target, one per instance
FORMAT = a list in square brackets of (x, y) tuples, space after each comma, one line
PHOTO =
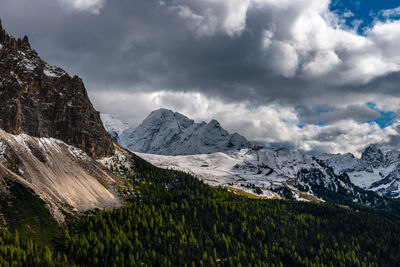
[(44, 101), (373, 156)]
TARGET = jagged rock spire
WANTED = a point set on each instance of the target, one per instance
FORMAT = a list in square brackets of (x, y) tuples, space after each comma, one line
[(2, 33), (24, 42), (373, 155), (44, 101)]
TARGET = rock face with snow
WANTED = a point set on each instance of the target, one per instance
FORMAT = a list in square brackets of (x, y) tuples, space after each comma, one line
[(345, 163), (44, 101), (114, 126), (376, 170), (373, 156), (166, 132), (272, 171), (390, 185)]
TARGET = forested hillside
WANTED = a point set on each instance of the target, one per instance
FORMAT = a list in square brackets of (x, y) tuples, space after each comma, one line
[(172, 219)]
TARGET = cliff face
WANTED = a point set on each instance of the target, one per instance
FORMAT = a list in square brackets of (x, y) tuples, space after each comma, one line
[(44, 101)]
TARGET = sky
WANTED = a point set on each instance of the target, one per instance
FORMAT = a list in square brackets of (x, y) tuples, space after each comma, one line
[(315, 75)]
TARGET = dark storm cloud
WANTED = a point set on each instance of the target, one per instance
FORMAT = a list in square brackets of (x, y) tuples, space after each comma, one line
[(142, 45), (136, 45), (290, 53), (330, 135), (359, 113)]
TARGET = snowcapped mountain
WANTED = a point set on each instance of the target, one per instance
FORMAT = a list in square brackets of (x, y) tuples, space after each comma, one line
[(243, 169), (114, 126), (376, 170), (166, 132), (270, 173), (171, 134)]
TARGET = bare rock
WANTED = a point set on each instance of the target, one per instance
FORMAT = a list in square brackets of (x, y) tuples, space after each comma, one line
[(44, 101)]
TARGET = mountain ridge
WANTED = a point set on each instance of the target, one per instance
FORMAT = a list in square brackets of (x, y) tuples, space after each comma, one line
[(50, 136), (44, 101), (114, 126), (375, 170), (172, 133)]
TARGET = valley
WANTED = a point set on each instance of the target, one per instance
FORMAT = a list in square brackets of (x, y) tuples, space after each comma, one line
[(83, 188)]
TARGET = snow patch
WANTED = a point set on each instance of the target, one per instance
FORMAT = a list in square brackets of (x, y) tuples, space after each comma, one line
[(49, 73), (52, 72), (27, 64), (3, 148), (119, 160)]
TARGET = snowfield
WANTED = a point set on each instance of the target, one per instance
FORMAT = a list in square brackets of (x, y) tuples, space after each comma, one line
[(242, 169), (268, 169)]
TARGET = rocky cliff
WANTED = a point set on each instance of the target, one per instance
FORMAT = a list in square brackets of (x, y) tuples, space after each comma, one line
[(44, 101)]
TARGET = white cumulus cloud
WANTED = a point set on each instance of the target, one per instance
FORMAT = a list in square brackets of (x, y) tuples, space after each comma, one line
[(269, 124)]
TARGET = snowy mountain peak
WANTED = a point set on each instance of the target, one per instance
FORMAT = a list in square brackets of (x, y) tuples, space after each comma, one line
[(373, 155), (165, 132), (166, 116), (114, 126), (171, 133), (378, 169), (214, 123)]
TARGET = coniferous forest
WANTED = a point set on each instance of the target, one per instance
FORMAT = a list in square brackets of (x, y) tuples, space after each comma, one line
[(172, 219)]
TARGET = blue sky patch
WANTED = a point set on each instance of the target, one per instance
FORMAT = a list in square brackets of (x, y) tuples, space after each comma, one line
[(386, 119), (362, 12), (321, 111)]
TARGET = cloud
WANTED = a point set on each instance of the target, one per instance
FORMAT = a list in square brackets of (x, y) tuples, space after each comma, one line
[(273, 124), (91, 6), (322, 63), (210, 16), (358, 113), (390, 13), (270, 63)]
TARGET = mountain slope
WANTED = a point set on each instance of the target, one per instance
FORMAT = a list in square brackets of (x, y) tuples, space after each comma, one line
[(171, 133), (44, 101), (267, 173), (65, 177), (376, 170), (50, 134), (167, 133), (170, 218)]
